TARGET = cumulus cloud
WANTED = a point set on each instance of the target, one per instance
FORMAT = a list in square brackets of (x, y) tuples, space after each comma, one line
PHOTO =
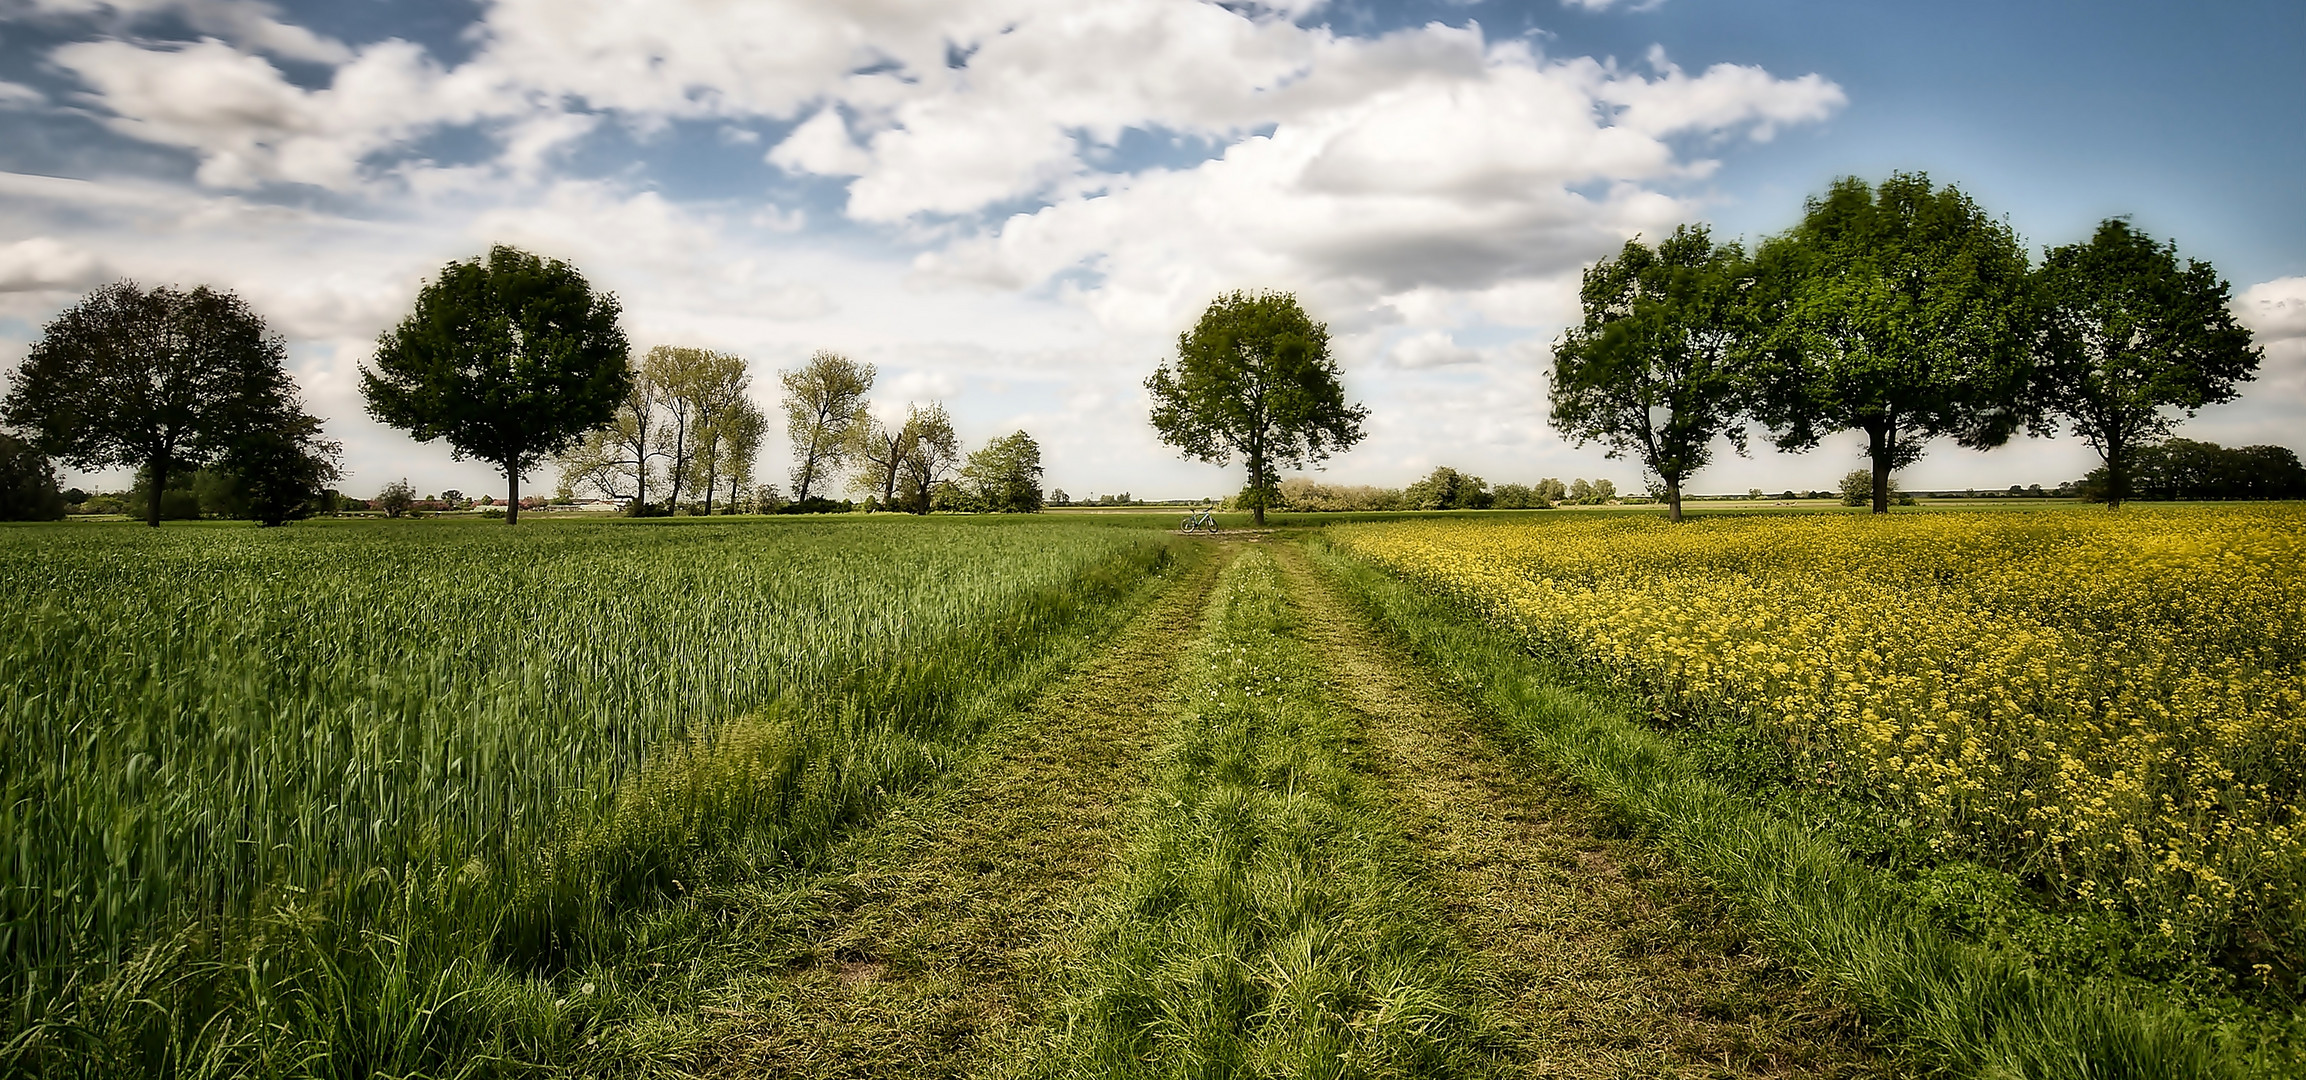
[(44, 264), (248, 23), (2274, 310), (1425, 159), (250, 125), (1430, 349)]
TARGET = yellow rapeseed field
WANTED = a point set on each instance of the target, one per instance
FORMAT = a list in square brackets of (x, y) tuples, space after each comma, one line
[(2107, 703)]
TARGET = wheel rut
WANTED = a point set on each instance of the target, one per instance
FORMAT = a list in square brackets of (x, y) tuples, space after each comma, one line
[(959, 910), (1599, 957)]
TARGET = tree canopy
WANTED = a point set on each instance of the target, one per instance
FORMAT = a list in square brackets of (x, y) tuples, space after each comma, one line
[(27, 484), (1654, 369), (1900, 311), (1004, 476), (2133, 342), (1254, 377), (511, 358), (169, 381), (824, 403)]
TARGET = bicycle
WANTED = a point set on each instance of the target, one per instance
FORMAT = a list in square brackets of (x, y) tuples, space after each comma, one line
[(1202, 520)]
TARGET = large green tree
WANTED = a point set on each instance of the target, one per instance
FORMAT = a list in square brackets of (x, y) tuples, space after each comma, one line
[(1004, 476), (1654, 369), (1254, 377), (1901, 311), (512, 358), (168, 381), (27, 484), (928, 452), (2133, 343), (824, 404)]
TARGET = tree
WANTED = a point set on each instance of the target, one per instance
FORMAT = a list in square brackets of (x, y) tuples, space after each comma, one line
[(27, 484), (1901, 311), (2133, 343), (1447, 489), (398, 498), (1551, 490), (1517, 497), (733, 444), (1004, 475), (930, 450), (512, 359), (693, 388), (618, 459), (1254, 378), (824, 402), (281, 469), (1654, 370), (164, 381), (880, 450)]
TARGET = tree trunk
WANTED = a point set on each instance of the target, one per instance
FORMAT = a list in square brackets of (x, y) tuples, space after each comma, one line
[(2117, 472), (1257, 483), (1673, 499), (512, 496), (159, 485), (1880, 448)]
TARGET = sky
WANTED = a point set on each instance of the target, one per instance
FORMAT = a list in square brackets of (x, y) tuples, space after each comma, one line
[(1015, 206)]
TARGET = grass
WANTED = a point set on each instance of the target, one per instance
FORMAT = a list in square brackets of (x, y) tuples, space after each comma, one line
[(1944, 1005), (373, 798), (1599, 957), (1268, 925)]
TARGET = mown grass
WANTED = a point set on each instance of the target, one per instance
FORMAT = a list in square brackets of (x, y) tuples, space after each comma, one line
[(1944, 1005), (1269, 924), (373, 799)]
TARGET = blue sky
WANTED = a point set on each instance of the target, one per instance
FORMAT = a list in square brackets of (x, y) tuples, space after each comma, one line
[(1013, 206)]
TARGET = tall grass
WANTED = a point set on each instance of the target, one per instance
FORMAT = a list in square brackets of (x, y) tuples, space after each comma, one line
[(328, 800)]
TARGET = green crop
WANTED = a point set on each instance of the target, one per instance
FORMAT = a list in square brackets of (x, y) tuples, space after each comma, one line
[(293, 801)]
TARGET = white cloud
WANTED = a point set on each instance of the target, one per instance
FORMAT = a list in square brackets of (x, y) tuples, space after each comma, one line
[(2274, 310), (250, 125), (1421, 161), (1430, 349), (248, 23), (821, 145), (15, 95), (44, 264)]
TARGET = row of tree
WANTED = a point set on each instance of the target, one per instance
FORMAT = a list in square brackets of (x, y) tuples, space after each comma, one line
[(1902, 311), (511, 358), (914, 466), (1444, 488)]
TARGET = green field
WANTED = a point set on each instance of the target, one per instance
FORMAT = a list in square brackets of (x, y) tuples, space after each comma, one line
[(1059, 795)]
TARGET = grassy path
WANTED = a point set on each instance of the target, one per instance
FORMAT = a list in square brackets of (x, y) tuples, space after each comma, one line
[(1270, 922), (1599, 958), (937, 947), (1250, 839)]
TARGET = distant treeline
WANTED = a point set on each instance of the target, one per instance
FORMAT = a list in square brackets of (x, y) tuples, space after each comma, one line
[(2186, 469)]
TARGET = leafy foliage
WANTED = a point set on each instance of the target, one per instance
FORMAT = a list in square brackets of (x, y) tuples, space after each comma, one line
[(2187, 469), (2132, 342), (1654, 370), (824, 405), (1447, 489), (1254, 377), (1901, 311), (169, 381), (27, 485), (511, 359), (1004, 476)]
